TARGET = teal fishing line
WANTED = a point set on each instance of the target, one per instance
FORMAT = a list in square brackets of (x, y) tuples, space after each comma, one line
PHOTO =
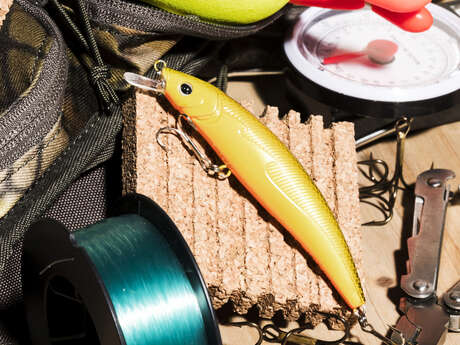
[(152, 297)]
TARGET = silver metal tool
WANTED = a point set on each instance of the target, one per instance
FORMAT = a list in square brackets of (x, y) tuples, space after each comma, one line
[(425, 320), (452, 301)]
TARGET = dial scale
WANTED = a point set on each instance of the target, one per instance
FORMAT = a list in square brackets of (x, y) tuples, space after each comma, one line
[(423, 77)]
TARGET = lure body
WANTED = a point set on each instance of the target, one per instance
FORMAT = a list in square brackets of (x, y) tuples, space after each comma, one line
[(271, 174)]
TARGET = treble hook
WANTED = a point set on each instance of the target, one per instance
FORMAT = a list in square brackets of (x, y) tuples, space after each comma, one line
[(220, 171), (372, 163), (383, 185)]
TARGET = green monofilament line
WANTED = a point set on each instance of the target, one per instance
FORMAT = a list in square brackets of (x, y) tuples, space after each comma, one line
[(150, 292)]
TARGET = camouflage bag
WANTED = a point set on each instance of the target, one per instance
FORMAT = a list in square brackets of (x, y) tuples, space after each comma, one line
[(62, 96)]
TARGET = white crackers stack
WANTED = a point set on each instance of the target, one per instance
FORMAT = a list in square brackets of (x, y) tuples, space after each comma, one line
[(4, 8), (246, 258)]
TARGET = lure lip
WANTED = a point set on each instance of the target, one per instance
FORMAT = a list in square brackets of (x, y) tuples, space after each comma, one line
[(137, 80)]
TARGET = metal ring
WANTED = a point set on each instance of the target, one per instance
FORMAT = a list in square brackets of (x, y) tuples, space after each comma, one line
[(159, 65), (221, 175), (402, 126)]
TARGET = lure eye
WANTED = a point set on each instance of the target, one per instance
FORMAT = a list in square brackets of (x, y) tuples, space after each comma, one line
[(186, 89)]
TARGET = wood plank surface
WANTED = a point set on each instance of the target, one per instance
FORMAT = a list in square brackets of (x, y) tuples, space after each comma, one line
[(384, 247)]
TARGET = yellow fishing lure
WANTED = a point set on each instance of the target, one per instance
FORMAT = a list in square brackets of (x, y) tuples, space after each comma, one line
[(271, 174)]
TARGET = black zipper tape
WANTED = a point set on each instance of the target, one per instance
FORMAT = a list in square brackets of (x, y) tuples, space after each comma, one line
[(148, 18)]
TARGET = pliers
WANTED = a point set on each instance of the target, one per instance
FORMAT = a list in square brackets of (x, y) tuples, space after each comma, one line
[(426, 319)]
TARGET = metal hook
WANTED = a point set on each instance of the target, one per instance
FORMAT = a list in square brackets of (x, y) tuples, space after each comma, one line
[(273, 334), (372, 163), (384, 184), (220, 171), (402, 129), (249, 324), (382, 205)]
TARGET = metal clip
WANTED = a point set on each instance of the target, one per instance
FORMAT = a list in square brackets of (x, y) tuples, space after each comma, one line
[(368, 328), (219, 171)]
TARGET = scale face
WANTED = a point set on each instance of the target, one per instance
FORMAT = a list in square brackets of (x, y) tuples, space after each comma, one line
[(426, 65)]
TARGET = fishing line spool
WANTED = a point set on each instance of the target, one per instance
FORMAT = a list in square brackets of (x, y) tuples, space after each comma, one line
[(130, 279)]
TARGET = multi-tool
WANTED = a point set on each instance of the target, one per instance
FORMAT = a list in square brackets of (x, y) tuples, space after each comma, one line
[(427, 318)]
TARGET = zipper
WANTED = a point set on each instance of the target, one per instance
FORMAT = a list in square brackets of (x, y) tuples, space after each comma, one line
[(148, 18), (31, 117)]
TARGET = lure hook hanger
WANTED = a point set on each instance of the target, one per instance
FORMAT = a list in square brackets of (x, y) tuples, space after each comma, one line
[(220, 171)]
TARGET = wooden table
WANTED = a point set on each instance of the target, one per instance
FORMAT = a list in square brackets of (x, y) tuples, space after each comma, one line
[(383, 255), (385, 251)]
